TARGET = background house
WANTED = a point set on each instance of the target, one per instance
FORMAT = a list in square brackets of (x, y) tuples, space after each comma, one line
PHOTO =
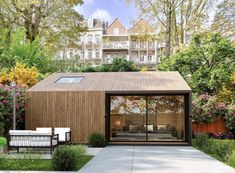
[(102, 42)]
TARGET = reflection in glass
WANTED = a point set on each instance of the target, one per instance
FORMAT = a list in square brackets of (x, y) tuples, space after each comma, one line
[(147, 118)]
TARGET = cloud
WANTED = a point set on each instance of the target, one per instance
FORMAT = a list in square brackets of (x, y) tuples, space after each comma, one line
[(90, 2), (102, 15)]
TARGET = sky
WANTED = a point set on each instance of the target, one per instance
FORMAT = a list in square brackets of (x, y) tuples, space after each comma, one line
[(108, 10)]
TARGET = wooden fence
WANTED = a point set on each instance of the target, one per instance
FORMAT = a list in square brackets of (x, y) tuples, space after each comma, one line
[(215, 127)]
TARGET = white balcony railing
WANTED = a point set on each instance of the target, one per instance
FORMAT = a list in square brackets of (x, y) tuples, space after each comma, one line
[(143, 45), (116, 45)]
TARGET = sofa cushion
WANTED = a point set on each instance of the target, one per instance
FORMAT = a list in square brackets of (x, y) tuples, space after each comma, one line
[(44, 129), (35, 133), (162, 127), (19, 132)]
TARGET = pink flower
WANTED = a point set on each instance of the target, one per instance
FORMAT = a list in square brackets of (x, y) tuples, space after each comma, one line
[(5, 101)]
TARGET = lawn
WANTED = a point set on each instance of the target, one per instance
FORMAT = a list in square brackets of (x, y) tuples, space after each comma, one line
[(222, 150), (36, 164)]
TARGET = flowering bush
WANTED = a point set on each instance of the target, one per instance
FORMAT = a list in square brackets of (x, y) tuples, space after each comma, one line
[(6, 107), (21, 74), (230, 118), (207, 109)]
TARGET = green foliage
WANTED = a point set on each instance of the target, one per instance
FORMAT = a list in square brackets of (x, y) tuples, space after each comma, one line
[(6, 107), (230, 118), (201, 141), (220, 149), (88, 68), (119, 64), (231, 160), (96, 139), (209, 60), (3, 141), (65, 158), (30, 53), (33, 162), (205, 108)]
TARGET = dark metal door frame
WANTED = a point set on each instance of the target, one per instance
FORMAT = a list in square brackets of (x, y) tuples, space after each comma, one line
[(187, 111)]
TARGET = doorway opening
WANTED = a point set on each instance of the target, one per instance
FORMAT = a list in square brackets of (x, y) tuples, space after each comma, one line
[(146, 118)]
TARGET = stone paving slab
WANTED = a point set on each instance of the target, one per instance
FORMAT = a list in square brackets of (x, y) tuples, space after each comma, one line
[(154, 159)]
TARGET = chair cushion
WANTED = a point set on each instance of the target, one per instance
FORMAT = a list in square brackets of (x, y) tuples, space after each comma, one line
[(61, 132), (149, 127)]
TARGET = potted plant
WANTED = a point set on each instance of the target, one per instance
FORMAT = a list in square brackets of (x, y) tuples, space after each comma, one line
[(3, 145)]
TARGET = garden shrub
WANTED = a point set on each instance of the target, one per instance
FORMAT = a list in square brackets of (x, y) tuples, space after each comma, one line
[(21, 74), (64, 159), (79, 150), (220, 149), (3, 141), (201, 140), (231, 160), (97, 139)]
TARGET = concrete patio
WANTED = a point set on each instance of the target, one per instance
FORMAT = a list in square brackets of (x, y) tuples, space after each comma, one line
[(152, 159)]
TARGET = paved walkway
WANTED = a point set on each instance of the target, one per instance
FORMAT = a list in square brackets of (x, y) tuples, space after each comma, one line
[(153, 159)]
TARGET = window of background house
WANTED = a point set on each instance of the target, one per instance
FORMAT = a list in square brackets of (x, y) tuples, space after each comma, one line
[(89, 53), (97, 53), (142, 58), (89, 38), (97, 38), (116, 31), (150, 57)]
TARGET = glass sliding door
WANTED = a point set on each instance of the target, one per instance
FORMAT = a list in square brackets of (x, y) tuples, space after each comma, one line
[(166, 118), (147, 118), (127, 118)]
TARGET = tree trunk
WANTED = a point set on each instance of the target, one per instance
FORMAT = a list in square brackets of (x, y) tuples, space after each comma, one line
[(174, 26), (181, 24), (168, 31)]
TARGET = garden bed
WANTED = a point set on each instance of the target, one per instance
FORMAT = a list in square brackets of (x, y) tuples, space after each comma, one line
[(36, 164)]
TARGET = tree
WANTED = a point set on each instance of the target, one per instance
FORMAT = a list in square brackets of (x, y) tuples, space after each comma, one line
[(207, 63), (224, 21), (178, 18), (55, 22), (21, 50), (119, 64)]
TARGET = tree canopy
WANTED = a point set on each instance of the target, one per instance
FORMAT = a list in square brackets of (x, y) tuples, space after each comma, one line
[(207, 63)]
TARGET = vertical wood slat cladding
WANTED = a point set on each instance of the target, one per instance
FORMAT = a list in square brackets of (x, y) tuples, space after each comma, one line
[(83, 112)]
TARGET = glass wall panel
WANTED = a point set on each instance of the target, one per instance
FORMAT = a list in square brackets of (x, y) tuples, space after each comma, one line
[(127, 118), (147, 118), (166, 118)]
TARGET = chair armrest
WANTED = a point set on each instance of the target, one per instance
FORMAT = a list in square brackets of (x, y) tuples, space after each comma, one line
[(55, 137), (67, 136)]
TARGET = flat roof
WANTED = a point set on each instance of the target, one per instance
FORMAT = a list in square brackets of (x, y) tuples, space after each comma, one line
[(115, 82)]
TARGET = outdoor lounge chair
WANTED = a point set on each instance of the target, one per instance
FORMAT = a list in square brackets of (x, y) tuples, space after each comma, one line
[(64, 134)]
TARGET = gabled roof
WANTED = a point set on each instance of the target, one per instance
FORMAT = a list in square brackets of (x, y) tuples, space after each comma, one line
[(116, 23), (116, 81), (142, 26)]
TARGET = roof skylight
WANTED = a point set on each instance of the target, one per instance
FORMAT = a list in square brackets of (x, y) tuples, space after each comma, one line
[(70, 79)]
